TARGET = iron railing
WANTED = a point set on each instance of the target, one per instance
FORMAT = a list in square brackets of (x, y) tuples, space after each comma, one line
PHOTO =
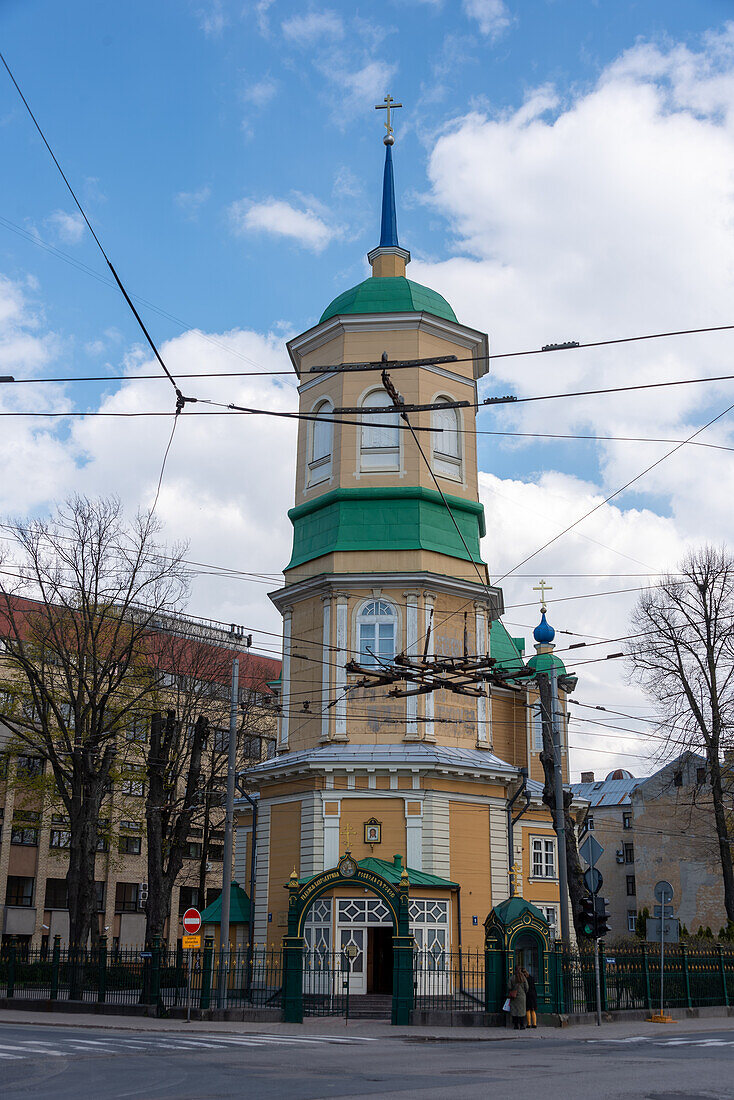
[(450, 980)]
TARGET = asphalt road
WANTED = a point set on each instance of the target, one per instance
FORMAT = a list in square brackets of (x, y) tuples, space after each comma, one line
[(43, 1061)]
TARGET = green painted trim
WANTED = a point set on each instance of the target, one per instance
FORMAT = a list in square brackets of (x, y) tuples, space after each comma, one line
[(390, 518), (389, 294)]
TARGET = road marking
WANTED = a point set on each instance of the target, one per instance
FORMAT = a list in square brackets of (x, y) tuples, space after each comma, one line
[(658, 1042), (17, 1049)]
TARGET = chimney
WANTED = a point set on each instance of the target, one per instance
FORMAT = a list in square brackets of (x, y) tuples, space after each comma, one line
[(397, 861), (587, 777)]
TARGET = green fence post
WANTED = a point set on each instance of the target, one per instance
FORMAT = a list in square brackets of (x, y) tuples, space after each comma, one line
[(206, 973), (646, 965), (155, 971), (603, 975), (102, 969), (722, 971), (293, 979), (686, 975), (55, 967), (11, 968)]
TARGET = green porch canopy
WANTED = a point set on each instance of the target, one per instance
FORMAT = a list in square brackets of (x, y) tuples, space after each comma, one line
[(239, 908)]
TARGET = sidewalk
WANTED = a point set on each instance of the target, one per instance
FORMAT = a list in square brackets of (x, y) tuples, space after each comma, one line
[(371, 1029)]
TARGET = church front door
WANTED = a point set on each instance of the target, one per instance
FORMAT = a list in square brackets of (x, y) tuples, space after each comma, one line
[(379, 960)]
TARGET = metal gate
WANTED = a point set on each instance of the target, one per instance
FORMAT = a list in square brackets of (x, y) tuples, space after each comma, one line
[(325, 983)]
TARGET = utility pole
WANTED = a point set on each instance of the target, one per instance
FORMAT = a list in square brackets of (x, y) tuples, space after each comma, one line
[(228, 832), (548, 689)]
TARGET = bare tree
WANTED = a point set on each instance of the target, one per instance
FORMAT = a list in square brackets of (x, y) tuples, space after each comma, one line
[(683, 656), (79, 598)]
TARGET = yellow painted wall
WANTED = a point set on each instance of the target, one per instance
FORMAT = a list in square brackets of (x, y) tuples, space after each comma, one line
[(470, 867), (392, 815), (285, 854)]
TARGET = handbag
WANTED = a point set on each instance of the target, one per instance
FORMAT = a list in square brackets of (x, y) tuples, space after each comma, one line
[(512, 994), (506, 1005)]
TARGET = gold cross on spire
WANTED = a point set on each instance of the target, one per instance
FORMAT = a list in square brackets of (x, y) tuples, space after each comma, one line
[(387, 105), (349, 832), (515, 875), (543, 588)]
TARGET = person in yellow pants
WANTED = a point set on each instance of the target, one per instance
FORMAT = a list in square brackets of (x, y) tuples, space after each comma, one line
[(531, 1001)]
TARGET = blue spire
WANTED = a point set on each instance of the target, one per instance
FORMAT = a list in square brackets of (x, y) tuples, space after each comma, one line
[(544, 632), (389, 228)]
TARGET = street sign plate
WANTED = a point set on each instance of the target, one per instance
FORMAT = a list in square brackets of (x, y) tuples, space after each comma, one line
[(662, 910), (191, 922), (593, 879), (590, 850), (663, 891), (652, 930), (191, 943)]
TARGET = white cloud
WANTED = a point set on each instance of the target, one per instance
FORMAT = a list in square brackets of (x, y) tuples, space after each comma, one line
[(491, 16), (261, 92), (190, 202), (313, 28), (358, 87), (306, 226), (213, 18), (68, 227)]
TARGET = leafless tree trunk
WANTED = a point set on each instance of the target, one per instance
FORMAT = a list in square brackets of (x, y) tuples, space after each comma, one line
[(79, 598), (683, 656)]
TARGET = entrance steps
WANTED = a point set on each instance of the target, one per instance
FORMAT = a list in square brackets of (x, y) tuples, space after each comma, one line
[(371, 1006)]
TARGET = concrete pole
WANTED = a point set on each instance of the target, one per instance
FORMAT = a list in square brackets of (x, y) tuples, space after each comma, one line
[(228, 835), (560, 814)]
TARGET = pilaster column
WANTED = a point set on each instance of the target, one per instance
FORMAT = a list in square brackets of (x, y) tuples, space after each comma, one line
[(326, 658), (429, 600), (484, 703), (340, 673), (285, 700), (411, 650)]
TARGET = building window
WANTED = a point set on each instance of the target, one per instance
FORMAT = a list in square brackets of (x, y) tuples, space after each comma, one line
[(19, 891), (137, 730), (321, 446), (631, 920), (626, 821), (380, 436), (678, 779), (629, 853), (129, 845), (193, 849), (447, 441), (188, 897), (216, 852), (536, 722), (24, 830), (700, 776), (56, 894), (30, 767), (544, 858), (376, 629), (551, 915), (631, 888), (60, 838), (126, 897), (132, 781), (589, 823)]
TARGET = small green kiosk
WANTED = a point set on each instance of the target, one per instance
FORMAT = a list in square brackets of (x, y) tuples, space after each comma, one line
[(517, 934)]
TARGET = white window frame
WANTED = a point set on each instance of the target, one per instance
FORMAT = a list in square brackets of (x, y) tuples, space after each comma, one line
[(631, 920), (447, 444), (536, 727), (379, 438), (318, 467), (550, 912), (546, 847), (376, 620)]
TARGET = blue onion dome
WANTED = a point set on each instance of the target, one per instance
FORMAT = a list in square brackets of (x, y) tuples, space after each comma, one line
[(544, 632)]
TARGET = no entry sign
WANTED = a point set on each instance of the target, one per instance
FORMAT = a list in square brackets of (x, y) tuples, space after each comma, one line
[(191, 921)]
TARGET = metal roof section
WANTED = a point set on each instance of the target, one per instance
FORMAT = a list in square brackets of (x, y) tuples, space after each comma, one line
[(434, 758), (606, 792)]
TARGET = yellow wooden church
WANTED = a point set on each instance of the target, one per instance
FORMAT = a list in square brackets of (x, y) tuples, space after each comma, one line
[(383, 564)]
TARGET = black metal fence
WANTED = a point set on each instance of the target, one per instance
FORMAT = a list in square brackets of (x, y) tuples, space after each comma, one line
[(144, 976), (449, 980)]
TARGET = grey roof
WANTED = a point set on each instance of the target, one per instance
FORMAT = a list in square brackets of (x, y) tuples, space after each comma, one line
[(606, 792), (417, 755)]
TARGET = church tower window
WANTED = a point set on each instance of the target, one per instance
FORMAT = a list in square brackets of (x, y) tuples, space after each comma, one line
[(380, 436), (447, 442), (322, 442), (376, 630)]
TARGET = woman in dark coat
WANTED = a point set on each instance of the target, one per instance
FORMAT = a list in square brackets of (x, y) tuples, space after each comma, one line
[(517, 994), (531, 1000)]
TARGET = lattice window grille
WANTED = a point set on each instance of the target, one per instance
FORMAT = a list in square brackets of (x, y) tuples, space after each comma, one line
[(352, 911), (320, 912), (429, 911)]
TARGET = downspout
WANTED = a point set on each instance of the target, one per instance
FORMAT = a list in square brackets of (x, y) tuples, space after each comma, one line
[(522, 790)]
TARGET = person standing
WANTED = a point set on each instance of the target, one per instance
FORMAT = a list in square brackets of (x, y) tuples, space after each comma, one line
[(531, 1000), (518, 999)]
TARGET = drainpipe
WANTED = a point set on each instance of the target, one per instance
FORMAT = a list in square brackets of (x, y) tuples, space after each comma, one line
[(522, 790)]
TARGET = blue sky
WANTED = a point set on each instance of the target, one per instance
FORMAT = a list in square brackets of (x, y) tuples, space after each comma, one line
[(564, 171)]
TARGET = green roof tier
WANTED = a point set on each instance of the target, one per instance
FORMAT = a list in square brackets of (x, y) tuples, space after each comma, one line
[(389, 294), (239, 908), (543, 662)]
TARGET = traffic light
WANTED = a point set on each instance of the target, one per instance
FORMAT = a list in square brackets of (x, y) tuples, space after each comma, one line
[(588, 917), (602, 917)]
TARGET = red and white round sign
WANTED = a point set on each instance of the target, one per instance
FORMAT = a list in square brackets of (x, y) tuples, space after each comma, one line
[(191, 922)]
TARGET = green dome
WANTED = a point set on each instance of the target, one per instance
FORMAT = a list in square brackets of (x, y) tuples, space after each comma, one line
[(394, 294), (542, 662)]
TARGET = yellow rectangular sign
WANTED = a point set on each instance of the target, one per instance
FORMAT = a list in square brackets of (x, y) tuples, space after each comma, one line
[(191, 942)]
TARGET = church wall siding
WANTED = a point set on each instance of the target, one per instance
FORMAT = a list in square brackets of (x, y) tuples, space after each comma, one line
[(285, 854), (262, 873), (312, 835), (436, 842), (470, 866), (498, 854)]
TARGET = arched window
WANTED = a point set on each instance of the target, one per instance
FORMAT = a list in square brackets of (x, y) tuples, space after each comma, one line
[(376, 632), (322, 442), (447, 441), (380, 439)]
